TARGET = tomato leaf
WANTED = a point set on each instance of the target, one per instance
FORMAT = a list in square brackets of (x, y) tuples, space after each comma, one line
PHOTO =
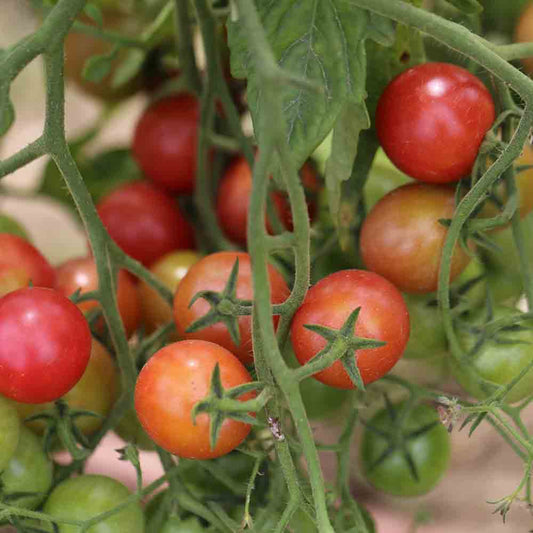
[(129, 68), (321, 42), (96, 68)]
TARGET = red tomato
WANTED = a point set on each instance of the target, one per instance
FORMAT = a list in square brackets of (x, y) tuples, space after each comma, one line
[(402, 238), (165, 142), (431, 120), (45, 344), (173, 380), (234, 193), (144, 221), (17, 253), (81, 274), (383, 316), (211, 273)]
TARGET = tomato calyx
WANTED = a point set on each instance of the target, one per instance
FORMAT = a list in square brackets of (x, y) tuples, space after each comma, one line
[(60, 424), (225, 307), (223, 403), (396, 437), (341, 345)]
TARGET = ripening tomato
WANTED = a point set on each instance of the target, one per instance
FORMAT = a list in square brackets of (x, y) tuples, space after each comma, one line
[(96, 392), (211, 274), (9, 431), (173, 380), (165, 142), (383, 317), (402, 238), (431, 120), (17, 253), (233, 199), (144, 221), (12, 278), (28, 474), (86, 496), (170, 270), (45, 344), (80, 273)]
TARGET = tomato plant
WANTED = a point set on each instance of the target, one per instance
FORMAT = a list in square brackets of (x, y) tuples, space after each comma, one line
[(45, 344), (165, 142), (431, 121), (80, 275), (170, 269), (9, 432), (145, 222), (10, 225), (402, 237), (524, 31), (330, 302), (27, 476), (406, 461), (83, 497), (179, 375), (211, 274)]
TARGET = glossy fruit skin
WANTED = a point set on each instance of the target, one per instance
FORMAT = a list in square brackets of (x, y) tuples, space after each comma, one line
[(80, 273), (497, 363), (165, 142), (29, 470), (10, 225), (383, 316), (431, 120), (9, 431), (85, 496), (45, 344), (430, 452), (173, 380), (170, 270), (211, 273), (402, 238), (20, 254), (233, 199), (96, 391), (144, 221)]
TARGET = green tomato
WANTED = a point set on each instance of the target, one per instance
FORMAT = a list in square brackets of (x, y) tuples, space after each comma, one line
[(498, 360), (320, 400), (29, 470), (429, 451), (129, 429), (9, 431), (176, 525), (83, 497), (10, 225)]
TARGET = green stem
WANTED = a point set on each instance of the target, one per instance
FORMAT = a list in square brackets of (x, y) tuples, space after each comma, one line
[(28, 154)]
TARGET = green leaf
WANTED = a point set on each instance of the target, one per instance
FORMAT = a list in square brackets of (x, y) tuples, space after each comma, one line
[(129, 68), (94, 13), (321, 42), (352, 119), (96, 68), (470, 7)]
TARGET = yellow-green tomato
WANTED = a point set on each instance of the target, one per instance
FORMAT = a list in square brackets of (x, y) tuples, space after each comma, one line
[(499, 359), (9, 431), (170, 270), (28, 471), (95, 392), (86, 496)]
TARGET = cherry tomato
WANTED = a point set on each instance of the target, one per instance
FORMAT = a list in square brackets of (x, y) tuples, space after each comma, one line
[(402, 238), (96, 392), (144, 221), (9, 431), (12, 278), (233, 199), (499, 359), (83, 497), (431, 120), (211, 273), (165, 142), (17, 253), (383, 316), (29, 470), (429, 451), (10, 225), (170, 270), (45, 344), (322, 402), (80, 273), (173, 380), (129, 429)]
